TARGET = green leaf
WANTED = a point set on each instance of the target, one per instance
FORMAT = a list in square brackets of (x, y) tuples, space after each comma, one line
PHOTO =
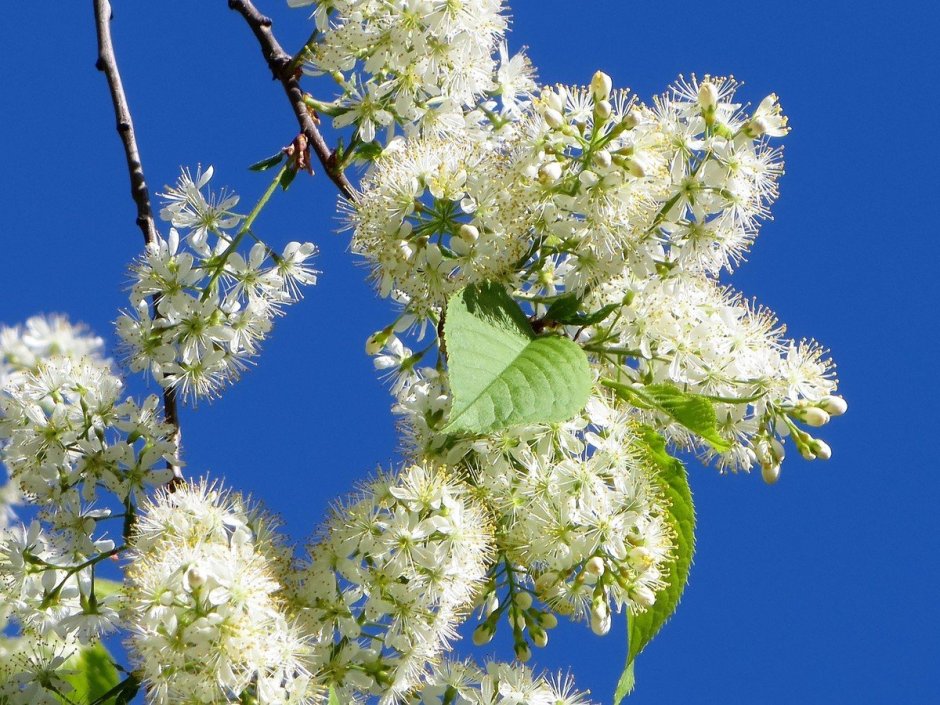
[(694, 411), (626, 683), (94, 675), (674, 484), (501, 373), (287, 177), (567, 310), (268, 163)]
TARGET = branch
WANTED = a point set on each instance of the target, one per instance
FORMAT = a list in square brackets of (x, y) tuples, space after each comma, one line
[(107, 63), (282, 67)]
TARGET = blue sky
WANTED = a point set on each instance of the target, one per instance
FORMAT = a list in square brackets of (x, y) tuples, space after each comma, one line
[(821, 589)]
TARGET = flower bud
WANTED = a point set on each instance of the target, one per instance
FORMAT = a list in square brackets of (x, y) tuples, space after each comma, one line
[(523, 652), (602, 158), (707, 96), (822, 449), (814, 416), (630, 120), (643, 596), (553, 100), (470, 233), (601, 86), (539, 637), (554, 118), (523, 600), (588, 178), (195, 577), (635, 166), (600, 619), (770, 473), (834, 406), (547, 620), (550, 173), (603, 109), (594, 566), (482, 635), (377, 341)]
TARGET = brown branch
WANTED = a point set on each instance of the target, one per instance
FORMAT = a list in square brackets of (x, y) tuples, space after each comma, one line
[(107, 63), (282, 67)]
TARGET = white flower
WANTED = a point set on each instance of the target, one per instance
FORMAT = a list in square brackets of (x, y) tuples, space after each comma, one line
[(408, 559), (213, 304), (403, 61), (204, 604)]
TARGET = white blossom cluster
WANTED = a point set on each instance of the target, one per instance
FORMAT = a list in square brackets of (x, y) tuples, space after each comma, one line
[(68, 432), (581, 525), (35, 674), (21, 350), (435, 215), (464, 683), (69, 442), (420, 62), (632, 211), (200, 307), (391, 578), (205, 606)]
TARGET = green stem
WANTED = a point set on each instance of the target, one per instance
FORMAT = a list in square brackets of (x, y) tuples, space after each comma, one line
[(245, 228)]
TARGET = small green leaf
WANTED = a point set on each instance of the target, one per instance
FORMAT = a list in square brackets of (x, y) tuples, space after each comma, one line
[(95, 674), (567, 310), (626, 683), (287, 177), (501, 373), (268, 163), (674, 484), (564, 308), (694, 411)]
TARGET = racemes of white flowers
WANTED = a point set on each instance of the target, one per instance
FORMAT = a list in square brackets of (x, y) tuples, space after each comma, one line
[(391, 577), (205, 605), (47, 585), (581, 524), (22, 348), (413, 63), (435, 215), (200, 304), (464, 683), (628, 210)]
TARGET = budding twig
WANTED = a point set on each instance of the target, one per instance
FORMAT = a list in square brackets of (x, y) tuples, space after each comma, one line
[(107, 64), (284, 69)]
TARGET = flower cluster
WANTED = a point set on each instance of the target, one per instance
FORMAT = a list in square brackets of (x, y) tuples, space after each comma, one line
[(463, 683), (212, 305), (22, 348), (48, 586), (204, 604), (69, 433), (629, 212), (36, 673), (581, 521), (435, 215), (417, 62), (391, 577)]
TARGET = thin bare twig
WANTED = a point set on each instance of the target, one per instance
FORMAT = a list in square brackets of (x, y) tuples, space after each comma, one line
[(107, 64), (282, 67)]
